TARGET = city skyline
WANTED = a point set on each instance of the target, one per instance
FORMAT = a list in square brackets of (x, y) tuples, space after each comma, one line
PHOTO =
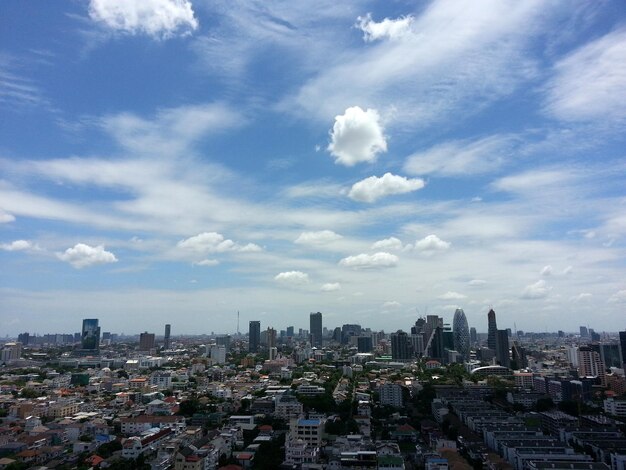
[(372, 161)]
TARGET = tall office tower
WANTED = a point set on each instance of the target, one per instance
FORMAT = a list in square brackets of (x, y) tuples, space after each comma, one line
[(271, 338), (590, 364), (610, 354), (437, 349), (364, 344), (90, 338), (593, 335), (417, 343), (400, 346), (584, 333), (419, 326), (492, 327), (519, 356), (473, 336), (622, 345), (337, 334), (146, 341), (290, 331), (166, 337), (461, 335), (254, 336), (502, 348), (349, 330), (315, 320)]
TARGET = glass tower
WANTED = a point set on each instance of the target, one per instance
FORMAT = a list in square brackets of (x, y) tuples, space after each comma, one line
[(460, 331)]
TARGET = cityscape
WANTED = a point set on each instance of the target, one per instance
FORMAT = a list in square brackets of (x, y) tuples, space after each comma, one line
[(439, 395), (312, 235)]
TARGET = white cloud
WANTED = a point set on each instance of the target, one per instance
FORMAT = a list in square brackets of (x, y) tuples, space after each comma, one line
[(529, 182), (213, 242), (317, 238), (207, 262), (330, 287), (365, 261), (156, 18), (391, 304), (17, 245), (588, 82), (373, 188), (357, 137), (582, 297), (431, 244), (568, 270), (459, 158), (391, 243), (387, 28), (477, 282), (5, 217), (538, 290), (450, 295), (82, 256), (292, 277), (619, 297), (546, 271)]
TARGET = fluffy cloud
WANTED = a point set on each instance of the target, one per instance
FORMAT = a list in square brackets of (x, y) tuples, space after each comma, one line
[(17, 245), (330, 287), (431, 244), (357, 136), (213, 242), (82, 256), (546, 271), (391, 243), (391, 304), (5, 217), (538, 290), (477, 282), (387, 28), (461, 158), (619, 297), (364, 261), (317, 238), (582, 297), (292, 277), (207, 262), (450, 295), (373, 188), (156, 18), (588, 82)]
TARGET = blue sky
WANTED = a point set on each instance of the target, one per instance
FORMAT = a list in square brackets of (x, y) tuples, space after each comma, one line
[(169, 161)]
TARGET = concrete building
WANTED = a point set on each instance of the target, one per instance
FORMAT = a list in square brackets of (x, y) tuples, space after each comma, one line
[(254, 336), (315, 320)]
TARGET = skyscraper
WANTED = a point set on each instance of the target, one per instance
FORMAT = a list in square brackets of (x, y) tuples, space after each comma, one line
[(400, 346), (90, 338), (166, 338), (146, 341), (316, 329), (460, 331), (590, 364), (622, 345), (254, 336), (502, 348), (491, 331), (473, 336)]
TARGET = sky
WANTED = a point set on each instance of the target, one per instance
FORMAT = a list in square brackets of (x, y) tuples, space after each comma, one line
[(176, 161)]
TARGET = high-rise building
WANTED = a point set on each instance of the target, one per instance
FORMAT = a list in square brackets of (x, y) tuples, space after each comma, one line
[(90, 338), (23, 338), (400, 346), (271, 338), (146, 341), (492, 327), (290, 331), (622, 345), (364, 344), (461, 335), (254, 336), (473, 336), (610, 354), (502, 348), (316, 329), (590, 364), (584, 332), (519, 356), (166, 337), (349, 330)]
